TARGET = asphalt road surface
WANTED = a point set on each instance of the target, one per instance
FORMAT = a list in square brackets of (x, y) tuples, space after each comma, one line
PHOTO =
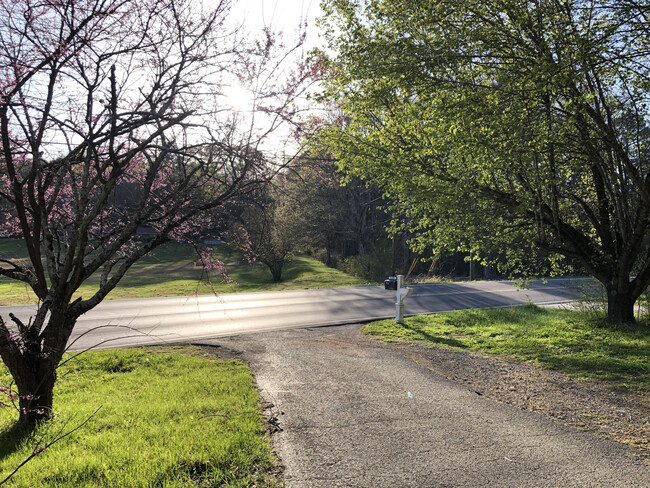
[(121, 323), (354, 413)]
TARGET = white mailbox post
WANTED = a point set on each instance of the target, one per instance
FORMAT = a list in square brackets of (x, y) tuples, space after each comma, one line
[(401, 294)]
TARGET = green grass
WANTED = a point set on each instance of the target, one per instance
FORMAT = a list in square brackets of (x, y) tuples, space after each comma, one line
[(169, 418), (171, 270), (571, 342)]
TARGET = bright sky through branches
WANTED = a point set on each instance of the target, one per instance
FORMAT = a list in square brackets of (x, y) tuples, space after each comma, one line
[(282, 16), (287, 18)]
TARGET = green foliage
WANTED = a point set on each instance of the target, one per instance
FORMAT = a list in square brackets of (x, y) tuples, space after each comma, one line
[(502, 128), (375, 265), (169, 418), (314, 202), (571, 342), (342, 220)]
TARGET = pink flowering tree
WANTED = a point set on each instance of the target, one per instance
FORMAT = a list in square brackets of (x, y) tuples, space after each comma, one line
[(112, 118)]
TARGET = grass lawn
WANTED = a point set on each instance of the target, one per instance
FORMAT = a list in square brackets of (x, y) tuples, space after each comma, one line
[(169, 418), (571, 342), (170, 270)]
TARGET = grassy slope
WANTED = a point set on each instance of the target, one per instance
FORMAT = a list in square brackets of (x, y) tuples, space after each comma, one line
[(171, 270), (168, 418), (571, 342)]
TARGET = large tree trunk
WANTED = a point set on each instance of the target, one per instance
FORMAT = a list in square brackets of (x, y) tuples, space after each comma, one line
[(620, 305), (35, 391), (32, 358), (34, 374)]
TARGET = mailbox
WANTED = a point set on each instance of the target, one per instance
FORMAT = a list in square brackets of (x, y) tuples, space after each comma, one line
[(390, 283)]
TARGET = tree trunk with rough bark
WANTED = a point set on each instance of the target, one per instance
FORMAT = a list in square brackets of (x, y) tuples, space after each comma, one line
[(620, 306), (32, 359), (36, 391)]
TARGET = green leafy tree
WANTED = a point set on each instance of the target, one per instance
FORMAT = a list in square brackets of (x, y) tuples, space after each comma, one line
[(312, 193), (264, 232), (491, 123)]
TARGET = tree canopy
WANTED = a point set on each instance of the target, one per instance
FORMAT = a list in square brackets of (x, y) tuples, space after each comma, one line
[(504, 122), (113, 119)]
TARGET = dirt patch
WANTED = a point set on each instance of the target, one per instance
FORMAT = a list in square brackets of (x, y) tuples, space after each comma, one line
[(593, 406)]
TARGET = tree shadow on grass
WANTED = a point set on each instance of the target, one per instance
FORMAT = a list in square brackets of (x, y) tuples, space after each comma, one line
[(420, 334), (13, 438), (610, 369)]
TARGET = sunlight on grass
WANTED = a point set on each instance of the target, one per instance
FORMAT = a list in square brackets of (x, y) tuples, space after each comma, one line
[(168, 418), (570, 342), (172, 270)]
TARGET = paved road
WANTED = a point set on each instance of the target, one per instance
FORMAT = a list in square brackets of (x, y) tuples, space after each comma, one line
[(356, 414), (118, 323)]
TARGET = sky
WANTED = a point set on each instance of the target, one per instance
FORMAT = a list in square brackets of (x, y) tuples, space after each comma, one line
[(281, 15)]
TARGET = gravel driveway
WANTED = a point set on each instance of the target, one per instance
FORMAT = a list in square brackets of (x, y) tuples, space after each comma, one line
[(351, 412)]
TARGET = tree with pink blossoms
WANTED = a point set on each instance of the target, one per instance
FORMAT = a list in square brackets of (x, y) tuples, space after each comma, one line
[(112, 119)]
